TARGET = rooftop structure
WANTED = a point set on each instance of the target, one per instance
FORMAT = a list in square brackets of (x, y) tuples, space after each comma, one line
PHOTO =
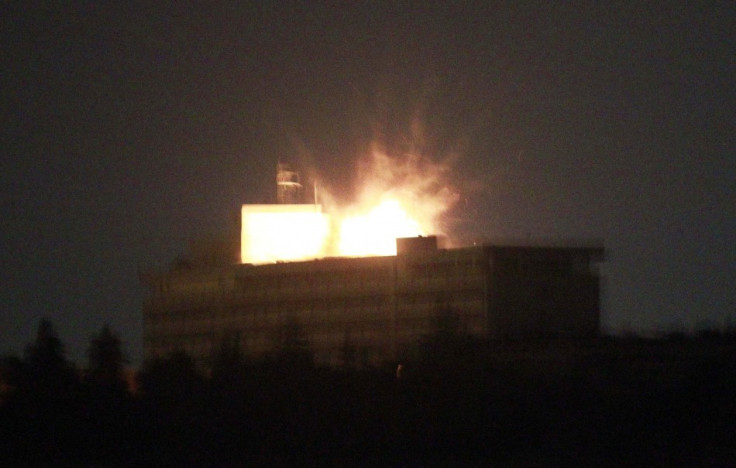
[(288, 185)]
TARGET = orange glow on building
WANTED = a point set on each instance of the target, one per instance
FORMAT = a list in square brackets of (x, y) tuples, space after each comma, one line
[(281, 233), (273, 233), (398, 196), (375, 232)]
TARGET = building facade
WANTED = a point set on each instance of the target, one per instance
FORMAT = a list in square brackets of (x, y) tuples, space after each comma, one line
[(380, 307)]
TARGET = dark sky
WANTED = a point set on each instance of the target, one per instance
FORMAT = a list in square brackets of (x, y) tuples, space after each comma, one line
[(129, 129)]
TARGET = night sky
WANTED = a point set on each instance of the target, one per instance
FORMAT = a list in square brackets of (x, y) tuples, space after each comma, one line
[(128, 130)]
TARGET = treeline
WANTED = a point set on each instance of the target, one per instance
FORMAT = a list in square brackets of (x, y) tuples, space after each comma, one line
[(460, 401), (51, 413)]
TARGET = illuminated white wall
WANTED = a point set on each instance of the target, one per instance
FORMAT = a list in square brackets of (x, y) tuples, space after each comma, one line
[(272, 233)]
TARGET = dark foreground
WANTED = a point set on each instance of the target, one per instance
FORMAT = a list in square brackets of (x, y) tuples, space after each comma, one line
[(608, 402)]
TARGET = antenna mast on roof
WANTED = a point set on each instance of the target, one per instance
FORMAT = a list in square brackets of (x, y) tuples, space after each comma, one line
[(288, 187)]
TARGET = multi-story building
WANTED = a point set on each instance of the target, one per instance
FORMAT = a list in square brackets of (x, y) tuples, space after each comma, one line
[(377, 306)]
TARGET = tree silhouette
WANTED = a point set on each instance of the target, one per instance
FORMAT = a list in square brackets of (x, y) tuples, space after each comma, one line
[(111, 422), (106, 361), (44, 414), (47, 370), (47, 351), (172, 379), (172, 388)]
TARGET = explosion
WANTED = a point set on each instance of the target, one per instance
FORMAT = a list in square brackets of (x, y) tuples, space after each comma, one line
[(375, 233), (398, 197)]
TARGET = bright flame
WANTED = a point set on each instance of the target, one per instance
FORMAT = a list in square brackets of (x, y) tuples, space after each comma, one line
[(375, 233), (272, 233), (399, 197)]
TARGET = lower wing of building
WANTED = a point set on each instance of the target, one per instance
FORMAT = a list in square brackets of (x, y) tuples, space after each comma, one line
[(378, 307)]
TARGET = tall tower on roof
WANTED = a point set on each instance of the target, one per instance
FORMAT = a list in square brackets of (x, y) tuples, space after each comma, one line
[(288, 187)]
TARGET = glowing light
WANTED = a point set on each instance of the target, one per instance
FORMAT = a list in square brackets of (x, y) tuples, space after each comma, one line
[(399, 196), (375, 233), (272, 233)]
